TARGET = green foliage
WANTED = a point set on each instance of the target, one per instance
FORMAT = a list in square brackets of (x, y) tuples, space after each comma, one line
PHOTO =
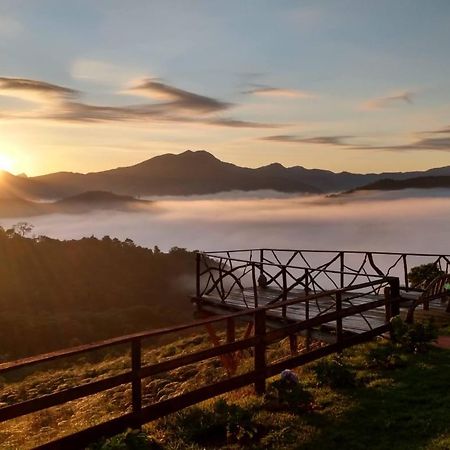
[(334, 372), (385, 356), (414, 337), (421, 276), (283, 394), (56, 294), (130, 440), (223, 423)]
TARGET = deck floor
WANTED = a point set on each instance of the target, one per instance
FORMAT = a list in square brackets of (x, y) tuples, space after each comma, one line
[(241, 300)]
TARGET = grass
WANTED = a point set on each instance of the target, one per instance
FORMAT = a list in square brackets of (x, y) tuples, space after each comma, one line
[(404, 405)]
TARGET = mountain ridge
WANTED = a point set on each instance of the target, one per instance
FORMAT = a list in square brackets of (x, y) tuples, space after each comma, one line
[(196, 173)]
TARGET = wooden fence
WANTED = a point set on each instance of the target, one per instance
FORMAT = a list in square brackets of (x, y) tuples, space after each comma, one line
[(258, 342)]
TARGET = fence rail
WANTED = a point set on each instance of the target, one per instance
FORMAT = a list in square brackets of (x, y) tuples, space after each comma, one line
[(258, 342)]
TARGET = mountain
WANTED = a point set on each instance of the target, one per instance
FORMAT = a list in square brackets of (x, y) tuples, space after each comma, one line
[(194, 172), (410, 183), (14, 206)]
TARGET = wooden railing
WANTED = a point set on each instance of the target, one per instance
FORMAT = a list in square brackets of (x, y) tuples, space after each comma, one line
[(222, 276), (262, 368), (347, 263)]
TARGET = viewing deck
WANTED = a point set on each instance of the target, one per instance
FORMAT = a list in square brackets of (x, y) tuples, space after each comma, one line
[(312, 282)]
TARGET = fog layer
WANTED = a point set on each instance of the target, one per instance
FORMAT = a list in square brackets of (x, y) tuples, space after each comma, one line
[(410, 221)]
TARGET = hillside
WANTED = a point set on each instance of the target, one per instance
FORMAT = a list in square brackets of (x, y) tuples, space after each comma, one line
[(402, 406), (54, 294), (194, 172), (15, 206), (410, 183)]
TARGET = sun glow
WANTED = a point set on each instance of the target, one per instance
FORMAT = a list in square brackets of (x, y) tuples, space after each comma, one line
[(6, 163)]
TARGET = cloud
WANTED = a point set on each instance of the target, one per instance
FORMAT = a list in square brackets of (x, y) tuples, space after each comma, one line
[(179, 98), (269, 91), (437, 144), (174, 105), (389, 101), (440, 131), (325, 140), (33, 90)]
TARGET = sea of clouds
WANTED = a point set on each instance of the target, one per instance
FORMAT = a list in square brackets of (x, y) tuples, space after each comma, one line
[(412, 221)]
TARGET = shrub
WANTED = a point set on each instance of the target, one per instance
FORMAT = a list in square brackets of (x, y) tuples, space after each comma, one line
[(414, 337), (283, 394), (224, 423), (386, 356), (421, 276), (334, 372), (130, 440)]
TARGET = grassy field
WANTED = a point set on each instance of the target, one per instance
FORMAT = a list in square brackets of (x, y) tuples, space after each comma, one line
[(394, 400)]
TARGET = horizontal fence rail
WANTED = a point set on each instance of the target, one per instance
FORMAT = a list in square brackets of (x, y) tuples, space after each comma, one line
[(340, 308)]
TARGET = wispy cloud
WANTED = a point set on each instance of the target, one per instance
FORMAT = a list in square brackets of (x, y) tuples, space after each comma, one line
[(270, 91), (174, 105), (437, 140), (324, 140), (404, 97), (34, 90), (437, 144), (178, 98)]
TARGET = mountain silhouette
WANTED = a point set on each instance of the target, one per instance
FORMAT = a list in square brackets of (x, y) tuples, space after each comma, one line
[(194, 173), (410, 183)]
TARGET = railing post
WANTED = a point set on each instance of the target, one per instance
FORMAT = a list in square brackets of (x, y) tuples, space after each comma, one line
[(255, 286), (342, 268), (307, 289), (197, 287), (394, 288), (261, 262), (339, 330), (283, 275), (136, 388), (260, 351), (405, 271)]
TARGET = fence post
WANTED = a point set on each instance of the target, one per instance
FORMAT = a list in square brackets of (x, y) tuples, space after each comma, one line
[(339, 330), (342, 269), (255, 286), (260, 351), (283, 275), (307, 289), (197, 289), (261, 262), (136, 388), (405, 271), (394, 288)]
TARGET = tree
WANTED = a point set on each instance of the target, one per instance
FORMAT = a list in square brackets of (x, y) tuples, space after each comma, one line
[(421, 276), (23, 228)]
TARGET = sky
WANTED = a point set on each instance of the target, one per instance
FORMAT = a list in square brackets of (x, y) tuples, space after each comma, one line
[(351, 85)]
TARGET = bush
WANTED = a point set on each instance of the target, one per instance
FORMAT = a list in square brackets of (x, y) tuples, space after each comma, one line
[(130, 440), (224, 423), (421, 276), (282, 394), (385, 356), (334, 372), (414, 337)]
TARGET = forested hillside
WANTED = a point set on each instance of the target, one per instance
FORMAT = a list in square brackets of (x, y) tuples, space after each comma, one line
[(55, 293)]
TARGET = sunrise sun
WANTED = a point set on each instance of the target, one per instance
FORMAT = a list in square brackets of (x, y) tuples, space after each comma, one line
[(6, 163)]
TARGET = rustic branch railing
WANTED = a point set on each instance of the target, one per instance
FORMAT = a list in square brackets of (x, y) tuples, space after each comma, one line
[(223, 275), (347, 262), (262, 369)]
